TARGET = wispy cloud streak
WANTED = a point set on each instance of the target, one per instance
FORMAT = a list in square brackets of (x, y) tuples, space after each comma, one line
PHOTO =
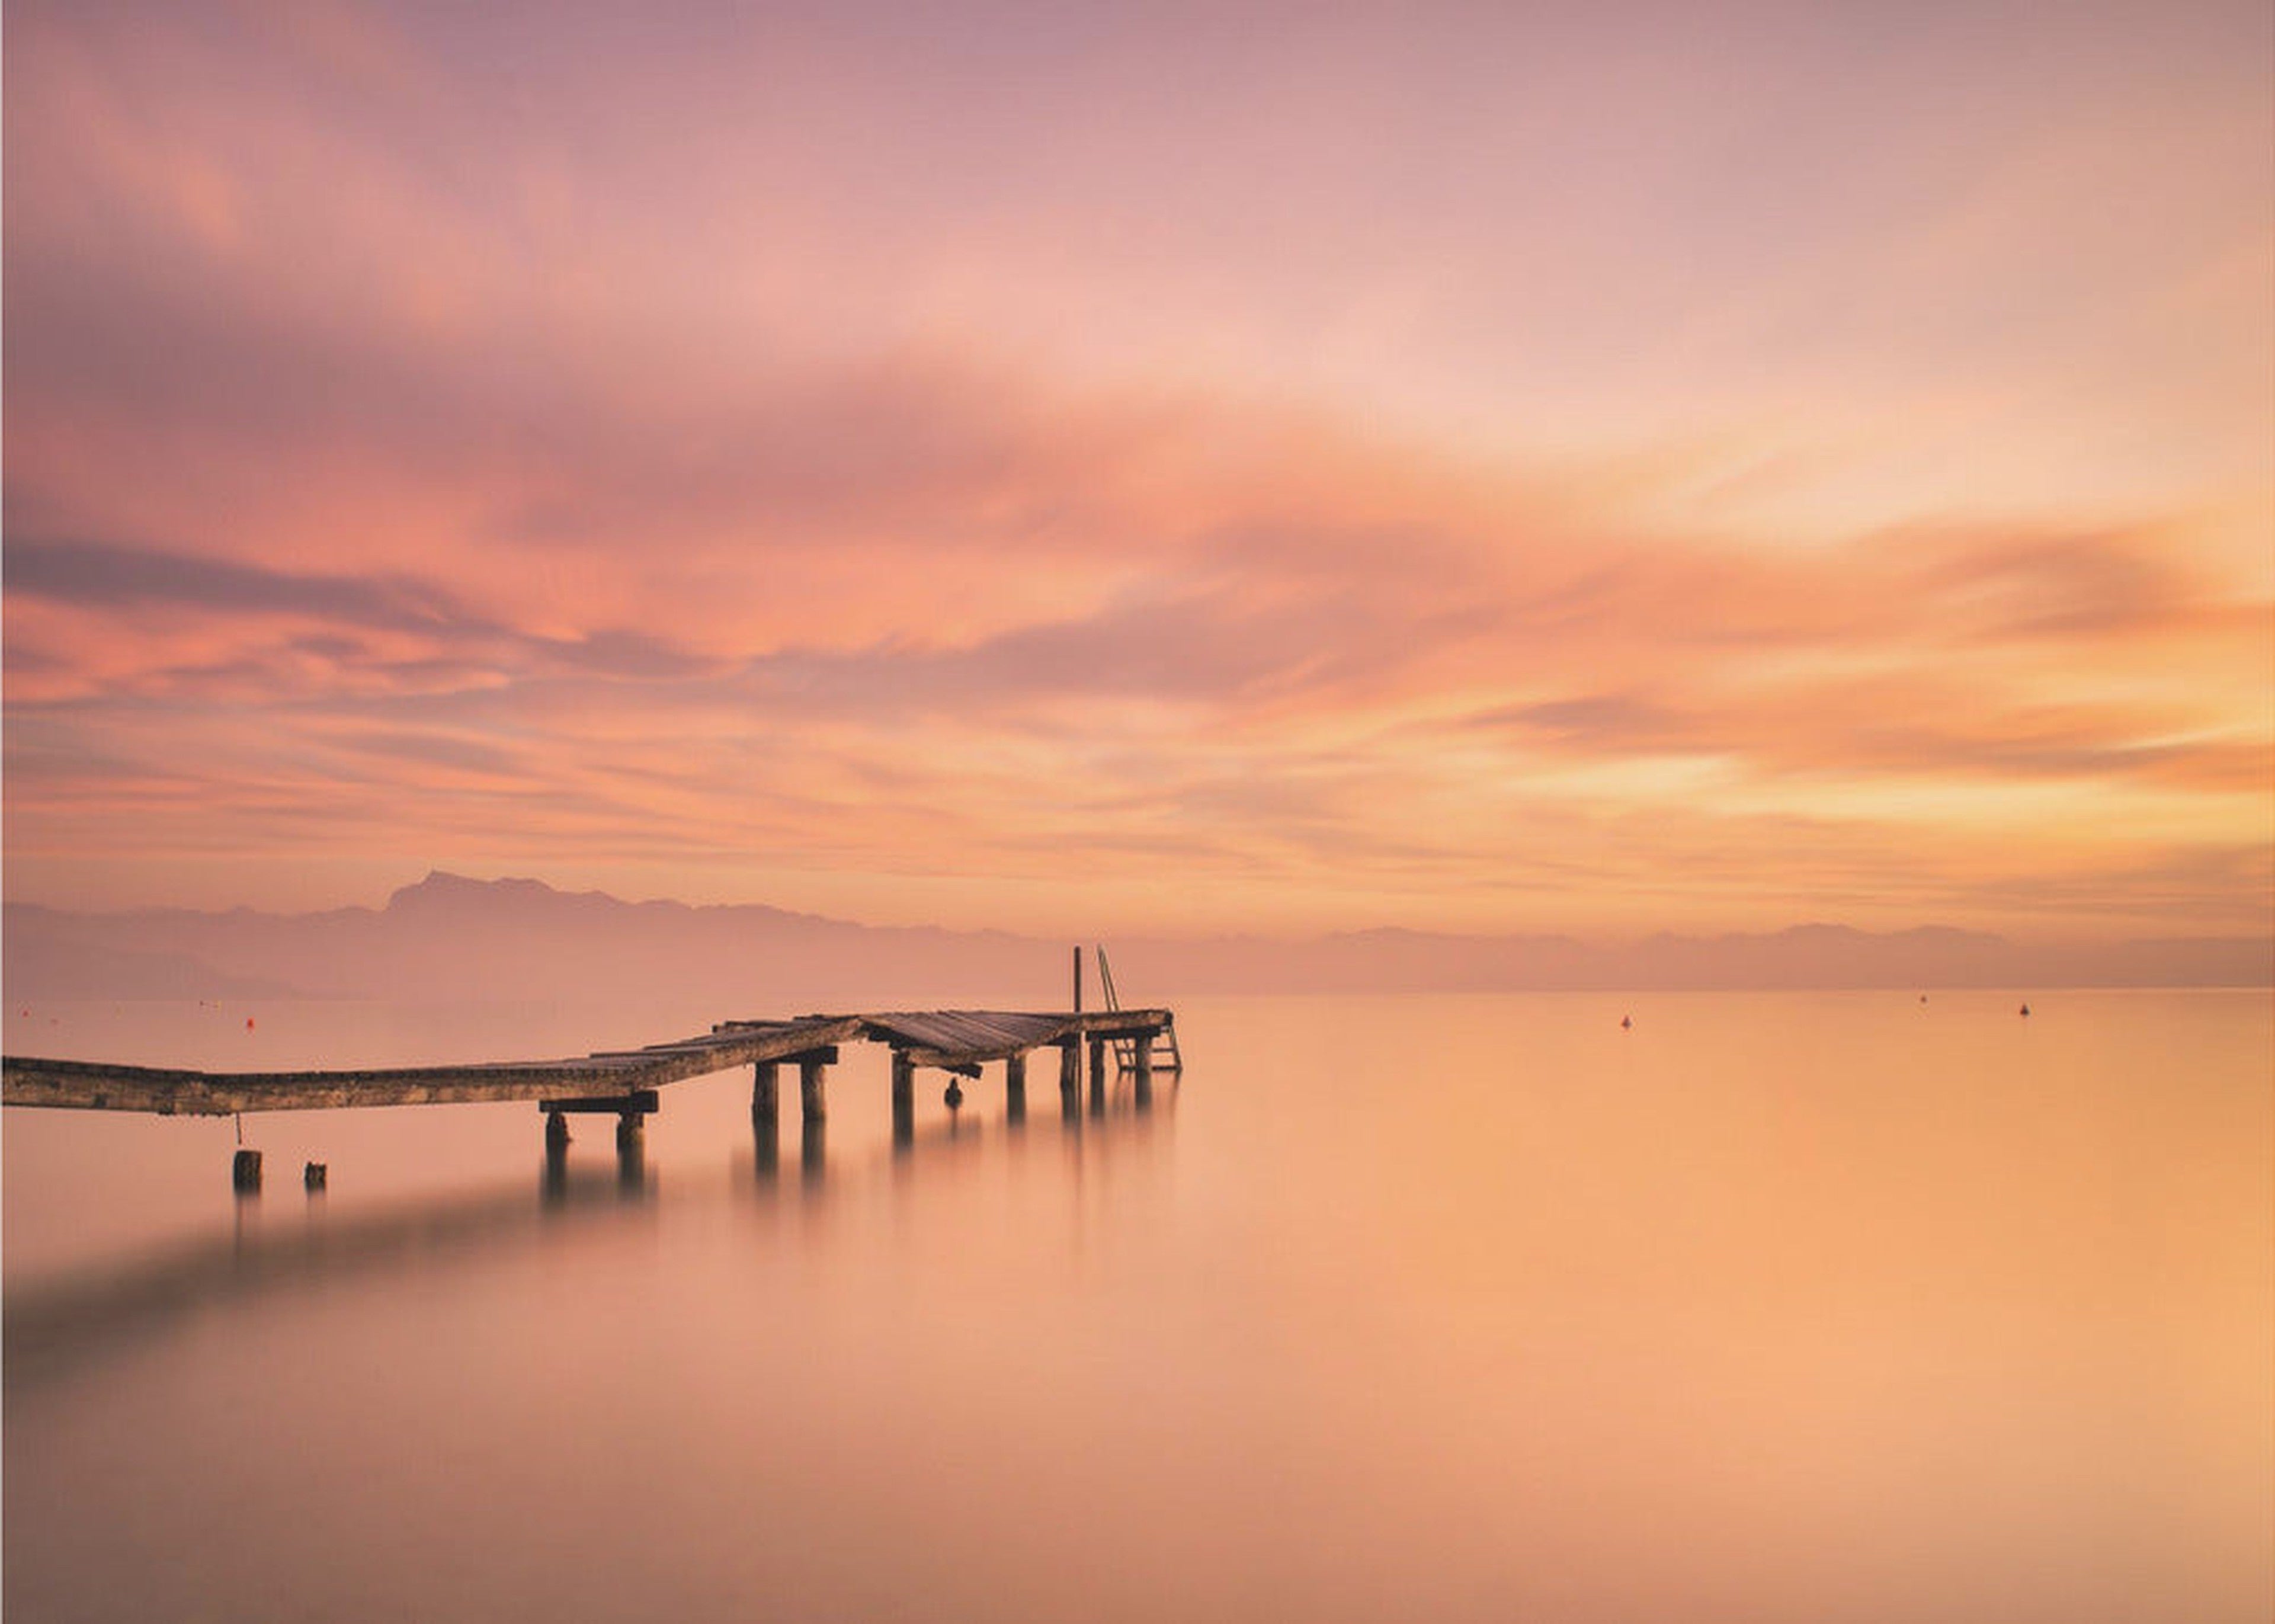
[(1471, 474)]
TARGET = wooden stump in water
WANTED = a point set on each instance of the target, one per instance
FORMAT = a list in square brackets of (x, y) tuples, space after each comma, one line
[(245, 1173), (312, 1176), (904, 1097)]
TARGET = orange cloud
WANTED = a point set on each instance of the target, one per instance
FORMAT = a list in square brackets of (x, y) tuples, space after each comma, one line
[(630, 479)]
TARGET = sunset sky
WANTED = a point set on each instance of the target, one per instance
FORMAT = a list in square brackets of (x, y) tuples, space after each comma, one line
[(1218, 467)]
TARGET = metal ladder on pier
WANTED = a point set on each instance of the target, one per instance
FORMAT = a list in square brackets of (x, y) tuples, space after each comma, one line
[(1166, 1056)]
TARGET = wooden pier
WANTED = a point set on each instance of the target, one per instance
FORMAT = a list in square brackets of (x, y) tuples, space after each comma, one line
[(627, 1083)]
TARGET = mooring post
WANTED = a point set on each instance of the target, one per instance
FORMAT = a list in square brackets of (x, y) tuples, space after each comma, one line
[(904, 1097), (557, 1134), (1078, 979), (812, 1097), (765, 1106), (245, 1173), (1015, 1088), (1097, 1076)]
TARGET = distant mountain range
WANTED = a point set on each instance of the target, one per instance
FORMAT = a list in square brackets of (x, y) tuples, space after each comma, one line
[(449, 937)]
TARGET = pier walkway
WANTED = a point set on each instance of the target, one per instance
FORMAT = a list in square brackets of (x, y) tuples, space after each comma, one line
[(622, 1080), (627, 1082)]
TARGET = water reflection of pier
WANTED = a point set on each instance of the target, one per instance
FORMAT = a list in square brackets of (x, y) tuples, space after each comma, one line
[(56, 1327)]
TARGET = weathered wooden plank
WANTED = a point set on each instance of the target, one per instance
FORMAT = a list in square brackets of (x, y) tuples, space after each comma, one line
[(85, 1086)]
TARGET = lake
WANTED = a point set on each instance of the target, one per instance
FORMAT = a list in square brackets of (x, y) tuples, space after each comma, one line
[(1775, 1306)]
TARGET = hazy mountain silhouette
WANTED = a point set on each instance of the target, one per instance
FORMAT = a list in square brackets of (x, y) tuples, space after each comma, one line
[(450, 937)]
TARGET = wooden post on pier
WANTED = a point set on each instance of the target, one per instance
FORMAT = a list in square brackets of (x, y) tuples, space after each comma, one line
[(1070, 1079), (1015, 1087), (765, 1115), (811, 1099), (904, 1097), (1077, 978), (632, 1149), (557, 1153), (245, 1173), (1142, 1071), (1097, 1076)]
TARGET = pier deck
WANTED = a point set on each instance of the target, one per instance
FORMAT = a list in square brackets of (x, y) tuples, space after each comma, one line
[(955, 1040)]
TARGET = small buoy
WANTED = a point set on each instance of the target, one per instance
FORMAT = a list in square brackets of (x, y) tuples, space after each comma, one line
[(2026, 1009), (1923, 998), (1627, 1023), (248, 1023), (955, 1095)]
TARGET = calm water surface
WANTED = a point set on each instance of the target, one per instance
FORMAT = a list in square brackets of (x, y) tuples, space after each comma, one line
[(1776, 1307)]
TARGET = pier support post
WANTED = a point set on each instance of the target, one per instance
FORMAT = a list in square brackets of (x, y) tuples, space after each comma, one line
[(813, 1149), (632, 1150), (812, 1076), (766, 1117), (1015, 1088), (1142, 1081), (1097, 1076), (245, 1173), (556, 1155), (904, 1098)]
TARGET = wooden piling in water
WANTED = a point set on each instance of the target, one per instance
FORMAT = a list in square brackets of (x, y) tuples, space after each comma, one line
[(1098, 1076), (764, 1100), (811, 1085), (904, 1097), (1015, 1087), (245, 1173)]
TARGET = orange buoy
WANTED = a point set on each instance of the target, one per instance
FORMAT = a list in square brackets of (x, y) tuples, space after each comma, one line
[(248, 1023)]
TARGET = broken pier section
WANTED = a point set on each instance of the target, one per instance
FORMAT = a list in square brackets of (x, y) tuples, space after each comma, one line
[(626, 1083)]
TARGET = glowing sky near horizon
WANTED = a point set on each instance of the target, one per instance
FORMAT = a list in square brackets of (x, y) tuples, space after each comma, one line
[(1520, 468)]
